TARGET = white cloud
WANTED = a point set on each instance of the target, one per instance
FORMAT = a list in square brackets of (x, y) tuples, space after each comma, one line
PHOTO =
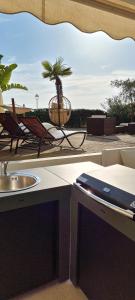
[(84, 91), (124, 73)]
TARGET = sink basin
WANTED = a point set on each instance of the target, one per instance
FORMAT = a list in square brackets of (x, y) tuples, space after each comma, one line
[(17, 182)]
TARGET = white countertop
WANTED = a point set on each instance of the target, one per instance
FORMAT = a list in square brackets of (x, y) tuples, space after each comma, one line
[(69, 172), (56, 180), (47, 181), (50, 188), (119, 176)]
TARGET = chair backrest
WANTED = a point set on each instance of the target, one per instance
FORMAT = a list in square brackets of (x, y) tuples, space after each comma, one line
[(35, 126), (10, 125)]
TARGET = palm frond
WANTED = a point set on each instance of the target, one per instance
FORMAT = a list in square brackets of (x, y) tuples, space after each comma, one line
[(55, 70), (1, 56), (6, 73), (47, 75), (7, 87), (11, 67), (66, 72), (2, 67), (59, 60), (47, 65)]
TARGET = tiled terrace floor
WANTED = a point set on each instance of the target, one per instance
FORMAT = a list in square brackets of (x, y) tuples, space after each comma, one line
[(92, 144)]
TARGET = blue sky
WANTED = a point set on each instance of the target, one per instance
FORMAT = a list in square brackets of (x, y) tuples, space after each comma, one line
[(96, 59)]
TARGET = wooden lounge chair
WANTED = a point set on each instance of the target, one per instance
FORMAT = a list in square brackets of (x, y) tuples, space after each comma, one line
[(5, 140), (52, 134), (35, 134), (60, 134), (9, 129), (16, 132)]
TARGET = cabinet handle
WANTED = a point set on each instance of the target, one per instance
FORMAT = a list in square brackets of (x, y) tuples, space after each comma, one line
[(124, 212)]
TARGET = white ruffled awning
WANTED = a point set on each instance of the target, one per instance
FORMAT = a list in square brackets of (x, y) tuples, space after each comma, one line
[(115, 17)]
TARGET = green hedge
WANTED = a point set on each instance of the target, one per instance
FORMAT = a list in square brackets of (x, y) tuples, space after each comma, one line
[(78, 116)]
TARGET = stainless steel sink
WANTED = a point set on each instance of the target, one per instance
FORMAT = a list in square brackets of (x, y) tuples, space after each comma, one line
[(17, 182)]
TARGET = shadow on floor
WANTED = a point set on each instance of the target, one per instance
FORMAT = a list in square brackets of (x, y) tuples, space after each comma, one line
[(103, 138), (46, 151)]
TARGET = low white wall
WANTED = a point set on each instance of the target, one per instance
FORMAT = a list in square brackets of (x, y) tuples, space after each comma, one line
[(128, 157), (106, 158), (113, 156), (51, 161)]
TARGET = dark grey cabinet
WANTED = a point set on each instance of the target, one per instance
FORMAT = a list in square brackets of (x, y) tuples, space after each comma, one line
[(106, 265), (29, 239)]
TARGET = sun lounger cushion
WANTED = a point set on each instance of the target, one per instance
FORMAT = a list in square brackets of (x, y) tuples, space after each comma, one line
[(57, 133), (47, 125), (23, 127), (60, 134), (128, 158)]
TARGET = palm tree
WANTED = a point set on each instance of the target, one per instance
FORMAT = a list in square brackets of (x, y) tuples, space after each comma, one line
[(54, 72), (5, 75)]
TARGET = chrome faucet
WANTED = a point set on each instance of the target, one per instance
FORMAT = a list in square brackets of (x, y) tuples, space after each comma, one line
[(4, 165)]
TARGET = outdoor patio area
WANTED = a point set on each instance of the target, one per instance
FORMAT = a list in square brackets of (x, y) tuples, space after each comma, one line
[(67, 150), (92, 144)]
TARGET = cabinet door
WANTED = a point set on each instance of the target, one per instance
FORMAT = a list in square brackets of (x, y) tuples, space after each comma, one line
[(106, 260), (28, 248)]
